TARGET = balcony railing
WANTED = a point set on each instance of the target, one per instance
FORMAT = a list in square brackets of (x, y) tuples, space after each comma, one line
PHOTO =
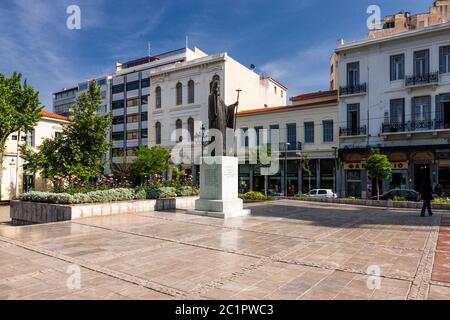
[(427, 78), (348, 132), (360, 88), (418, 125)]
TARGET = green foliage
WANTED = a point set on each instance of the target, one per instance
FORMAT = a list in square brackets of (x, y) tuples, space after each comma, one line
[(150, 161), (254, 196), (300, 195), (161, 193), (187, 191), (83, 146), (19, 110), (441, 201), (398, 198), (78, 198), (378, 167)]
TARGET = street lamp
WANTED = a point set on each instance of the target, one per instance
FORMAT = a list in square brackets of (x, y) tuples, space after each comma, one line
[(203, 143), (285, 168)]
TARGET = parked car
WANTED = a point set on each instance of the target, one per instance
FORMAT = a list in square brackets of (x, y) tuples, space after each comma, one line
[(408, 194), (321, 193)]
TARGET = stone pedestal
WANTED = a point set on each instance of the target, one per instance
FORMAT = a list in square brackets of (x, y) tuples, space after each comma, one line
[(219, 188)]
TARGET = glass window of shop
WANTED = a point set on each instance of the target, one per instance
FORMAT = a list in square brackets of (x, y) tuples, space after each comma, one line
[(309, 179), (258, 179), (444, 179), (292, 177), (327, 174), (399, 179), (244, 178), (354, 183)]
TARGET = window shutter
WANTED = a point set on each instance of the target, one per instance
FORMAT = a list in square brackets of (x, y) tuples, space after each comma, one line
[(392, 68), (413, 109), (439, 109)]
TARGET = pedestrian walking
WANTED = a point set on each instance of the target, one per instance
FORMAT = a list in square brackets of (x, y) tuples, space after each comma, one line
[(427, 196)]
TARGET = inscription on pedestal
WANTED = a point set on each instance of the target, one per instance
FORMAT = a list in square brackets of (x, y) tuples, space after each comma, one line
[(211, 178)]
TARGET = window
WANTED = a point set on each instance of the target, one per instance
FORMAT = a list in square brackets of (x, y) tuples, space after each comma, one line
[(275, 89), (309, 132), (145, 83), (144, 133), (258, 131), (444, 59), (244, 137), (144, 100), (191, 128), (83, 86), (291, 136), (133, 102), (191, 91), (353, 118), (397, 111), (179, 94), (118, 120), (101, 82), (398, 67), (30, 138), (421, 62), (328, 130), (58, 135), (158, 98), (117, 152), (118, 88), (117, 104), (117, 136), (103, 94), (132, 118), (179, 126), (131, 151), (132, 135), (14, 137), (134, 85), (144, 116), (282, 93), (421, 112), (158, 133), (23, 138), (353, 74), (274, 134)]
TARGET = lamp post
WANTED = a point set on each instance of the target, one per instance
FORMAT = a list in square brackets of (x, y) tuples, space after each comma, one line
[(203, 141), (285, 168)]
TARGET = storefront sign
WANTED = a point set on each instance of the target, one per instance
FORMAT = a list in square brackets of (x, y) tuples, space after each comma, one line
[(400, 165), (354, 166)]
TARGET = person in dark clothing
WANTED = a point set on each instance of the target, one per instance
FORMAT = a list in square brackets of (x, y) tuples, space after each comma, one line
[(427, 196)]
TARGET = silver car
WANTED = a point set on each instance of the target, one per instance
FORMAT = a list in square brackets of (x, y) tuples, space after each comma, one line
[(321, 193)]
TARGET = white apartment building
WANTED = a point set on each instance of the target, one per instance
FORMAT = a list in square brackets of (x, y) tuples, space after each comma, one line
[(16, 179), (394, 94)]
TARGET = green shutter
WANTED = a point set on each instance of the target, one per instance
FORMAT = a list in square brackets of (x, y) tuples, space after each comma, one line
[(441, 60)]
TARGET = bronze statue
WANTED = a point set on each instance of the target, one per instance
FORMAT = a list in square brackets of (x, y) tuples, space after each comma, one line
[(220, 115)]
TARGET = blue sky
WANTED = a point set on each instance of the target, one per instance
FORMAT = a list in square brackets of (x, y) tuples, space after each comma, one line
[(290, 40)]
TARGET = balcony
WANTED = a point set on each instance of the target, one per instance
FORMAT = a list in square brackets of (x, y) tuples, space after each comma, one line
[(415, 126), (422, 80), (353, 132), (353, 90)]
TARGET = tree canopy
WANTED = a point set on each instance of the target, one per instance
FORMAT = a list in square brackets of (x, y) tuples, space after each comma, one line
[(150, 161), (82, 148), (378, 167)]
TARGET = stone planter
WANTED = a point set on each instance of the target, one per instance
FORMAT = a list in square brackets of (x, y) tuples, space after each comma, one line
[(36, 213), (376, 203)]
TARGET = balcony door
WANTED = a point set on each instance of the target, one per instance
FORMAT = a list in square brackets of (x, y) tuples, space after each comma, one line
[(443, 111), (352, 75), (353, 118), (397, 112), (421, 113), (421, 63)]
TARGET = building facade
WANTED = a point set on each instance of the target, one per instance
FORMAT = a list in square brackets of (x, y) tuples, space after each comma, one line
[(394, 94), (16, 179), (64, 101), (308, 139)]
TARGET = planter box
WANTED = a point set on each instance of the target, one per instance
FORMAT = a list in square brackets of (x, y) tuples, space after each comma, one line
[(35, 213), (375, 203)]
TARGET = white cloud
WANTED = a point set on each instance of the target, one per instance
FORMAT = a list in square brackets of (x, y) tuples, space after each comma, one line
[(304, 71)]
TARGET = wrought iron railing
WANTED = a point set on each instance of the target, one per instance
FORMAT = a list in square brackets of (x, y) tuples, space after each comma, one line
[(349, 90), (426, 78), (356, 131), (417, 125)]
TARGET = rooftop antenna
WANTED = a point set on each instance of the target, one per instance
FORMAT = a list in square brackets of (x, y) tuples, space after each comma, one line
[(149, 49), (187, 41)]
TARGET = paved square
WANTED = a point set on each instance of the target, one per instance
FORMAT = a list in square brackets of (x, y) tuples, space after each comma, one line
[(285, 250)]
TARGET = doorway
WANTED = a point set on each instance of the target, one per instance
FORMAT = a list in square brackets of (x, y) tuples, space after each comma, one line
[(421, 174)]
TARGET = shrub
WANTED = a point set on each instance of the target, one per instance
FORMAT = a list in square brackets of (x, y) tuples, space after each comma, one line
[(300, 195), (253, 195), (399, 198), (78, 198), (161, 193), (441, 201), (351, 198), (187, 191)]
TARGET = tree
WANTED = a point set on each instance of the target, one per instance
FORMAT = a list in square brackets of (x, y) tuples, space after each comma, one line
[(81, 149), (378, 167), (150, 161), (263, 155), (19, 110), (306, 167)]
